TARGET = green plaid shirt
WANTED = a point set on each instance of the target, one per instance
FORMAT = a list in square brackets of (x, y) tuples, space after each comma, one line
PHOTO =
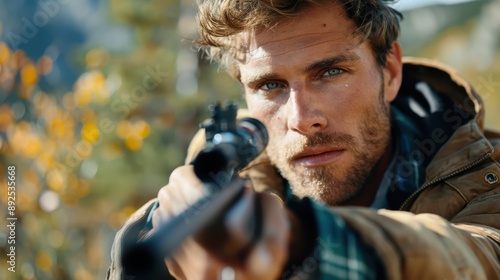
[(338, 253)]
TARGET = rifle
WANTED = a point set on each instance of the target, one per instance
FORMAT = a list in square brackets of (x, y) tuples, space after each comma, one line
[(230, 145)]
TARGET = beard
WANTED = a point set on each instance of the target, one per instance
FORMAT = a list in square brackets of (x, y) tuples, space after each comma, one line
[(337, 183)]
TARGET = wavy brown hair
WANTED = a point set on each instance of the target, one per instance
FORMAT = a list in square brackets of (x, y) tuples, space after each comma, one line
[(219, 21)]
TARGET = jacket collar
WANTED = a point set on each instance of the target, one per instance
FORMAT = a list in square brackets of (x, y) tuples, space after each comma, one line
[(466, 145), (447, 81)]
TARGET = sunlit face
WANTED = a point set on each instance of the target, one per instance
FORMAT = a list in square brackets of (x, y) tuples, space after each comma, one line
[(323, 98)]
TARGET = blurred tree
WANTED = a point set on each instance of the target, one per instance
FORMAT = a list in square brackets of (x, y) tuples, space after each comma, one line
[(106, 145)]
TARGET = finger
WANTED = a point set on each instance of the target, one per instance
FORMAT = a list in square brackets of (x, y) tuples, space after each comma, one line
[(270, 254), (164, 211), (184, 175), (192, 261), (276, 221), (240, 223), (175, 269), (182, 191), (184, 188)]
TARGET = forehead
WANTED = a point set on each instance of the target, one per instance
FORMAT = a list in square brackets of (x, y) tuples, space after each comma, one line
[(316, 25)]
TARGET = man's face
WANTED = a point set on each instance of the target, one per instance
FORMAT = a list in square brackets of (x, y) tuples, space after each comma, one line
[(323, 98)]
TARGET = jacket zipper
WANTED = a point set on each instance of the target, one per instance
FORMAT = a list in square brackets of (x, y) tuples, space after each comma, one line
[(413, 195)]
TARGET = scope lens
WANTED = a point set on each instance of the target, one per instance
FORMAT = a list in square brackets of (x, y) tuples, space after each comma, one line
[(257, 131)]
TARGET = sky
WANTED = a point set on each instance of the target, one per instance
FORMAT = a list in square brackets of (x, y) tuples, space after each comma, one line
[(412, 4)]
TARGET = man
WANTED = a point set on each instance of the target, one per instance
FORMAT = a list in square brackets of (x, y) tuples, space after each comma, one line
[(384, 167)]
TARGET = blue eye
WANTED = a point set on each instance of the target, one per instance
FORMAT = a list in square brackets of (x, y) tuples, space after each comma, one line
[(270, 86), (333, 72)]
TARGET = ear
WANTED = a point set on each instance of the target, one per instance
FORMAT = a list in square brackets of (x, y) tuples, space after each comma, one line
[(393, 72)]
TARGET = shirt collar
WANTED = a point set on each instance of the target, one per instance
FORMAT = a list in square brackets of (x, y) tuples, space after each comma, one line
[(406, 172)]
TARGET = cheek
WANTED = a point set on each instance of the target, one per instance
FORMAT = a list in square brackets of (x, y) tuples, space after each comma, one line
[(268, 113), (271, 120), (352, 107), (261, 108)]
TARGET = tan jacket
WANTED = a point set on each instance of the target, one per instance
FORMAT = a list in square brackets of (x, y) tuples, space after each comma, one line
[(448, 229)]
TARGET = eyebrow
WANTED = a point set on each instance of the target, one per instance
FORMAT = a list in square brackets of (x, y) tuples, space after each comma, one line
[(328, 62), (315, 66), (264, 77)]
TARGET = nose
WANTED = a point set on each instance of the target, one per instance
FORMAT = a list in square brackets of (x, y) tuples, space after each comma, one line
[(305, 112)]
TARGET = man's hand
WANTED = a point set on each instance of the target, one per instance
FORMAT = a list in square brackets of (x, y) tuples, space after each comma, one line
[(264, 260)]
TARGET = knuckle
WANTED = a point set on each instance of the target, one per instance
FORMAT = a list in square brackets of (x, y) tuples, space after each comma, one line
[(163, 194), (176, 174)]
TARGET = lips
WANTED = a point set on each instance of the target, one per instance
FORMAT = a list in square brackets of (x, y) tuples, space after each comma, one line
[(316, 157)]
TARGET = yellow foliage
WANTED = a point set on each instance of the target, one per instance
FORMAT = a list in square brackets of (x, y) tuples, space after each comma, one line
[(4, 53), (43, 260), (133, 142), (133, 133), (45, 160), (33, 146), (24, 141), (101, 96), (142, 129), (24, 126), (26, 203), (6, 119), (72, 182), (69, 199), (123, 129), (77, 187), (56, 180), (91, 86), (58, 127), (3, 195), (90, 132), (128, 211), (29, 76), (31, 177), (83, 97), (97, 80)]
